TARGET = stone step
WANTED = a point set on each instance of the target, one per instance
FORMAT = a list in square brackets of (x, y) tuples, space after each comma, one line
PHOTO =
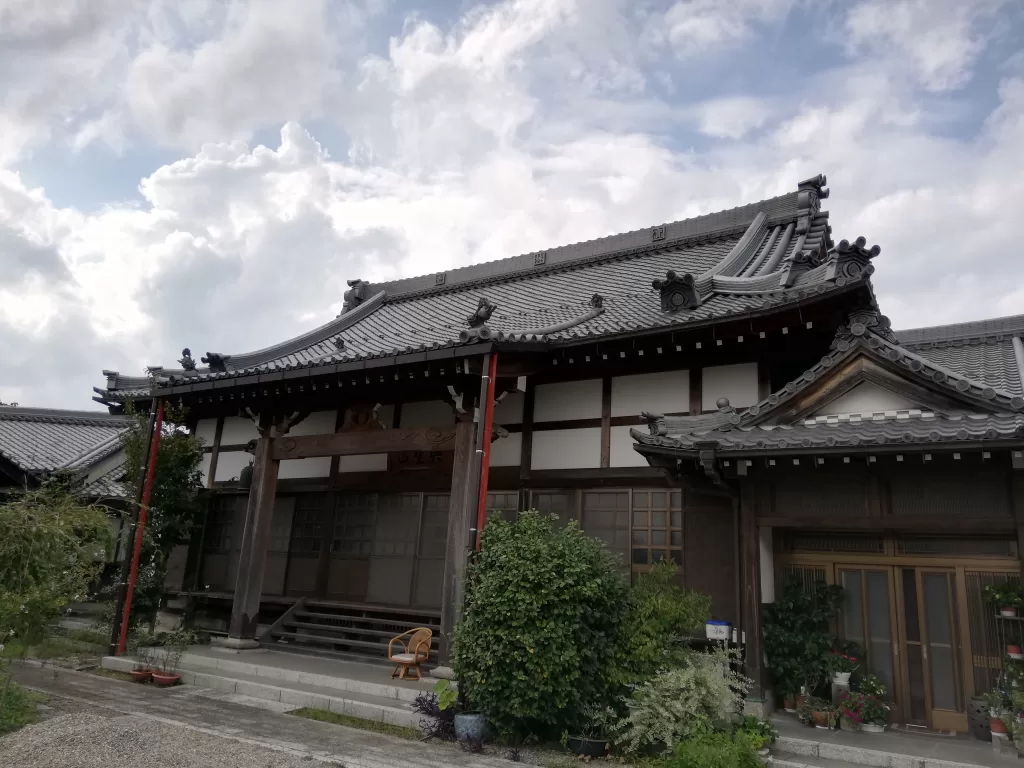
[(393, 711), (890, 753), (787, 760), (285, 669)]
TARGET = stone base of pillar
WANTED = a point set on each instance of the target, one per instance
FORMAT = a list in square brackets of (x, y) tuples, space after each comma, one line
[(235, 643)]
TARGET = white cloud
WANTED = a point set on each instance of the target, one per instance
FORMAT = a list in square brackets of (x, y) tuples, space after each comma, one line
[(731, 118), (939, 40), (692, 27)]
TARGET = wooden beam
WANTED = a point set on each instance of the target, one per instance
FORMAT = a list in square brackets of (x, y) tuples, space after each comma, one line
[(374, 441), (526, 452), (461, 519), (253, 556), (696, 389), (606, 421), (750, 546), (215, 452)]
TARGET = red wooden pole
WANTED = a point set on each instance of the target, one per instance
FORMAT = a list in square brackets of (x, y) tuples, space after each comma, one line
[(485, 464), (140, 528)]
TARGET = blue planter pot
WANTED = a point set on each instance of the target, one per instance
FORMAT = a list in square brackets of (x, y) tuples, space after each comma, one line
[(471, 726)]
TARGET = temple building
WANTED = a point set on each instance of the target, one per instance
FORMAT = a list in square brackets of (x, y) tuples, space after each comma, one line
[(722, 391)]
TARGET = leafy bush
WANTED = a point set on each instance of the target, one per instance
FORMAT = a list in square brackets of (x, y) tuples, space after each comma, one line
[(759, 732), (545, 609), (797, 640), (683, 702), (715, 750), (660, 616), (17, 706)]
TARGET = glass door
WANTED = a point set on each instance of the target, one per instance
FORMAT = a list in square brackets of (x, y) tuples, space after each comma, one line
[(932, 677), (869, 619)]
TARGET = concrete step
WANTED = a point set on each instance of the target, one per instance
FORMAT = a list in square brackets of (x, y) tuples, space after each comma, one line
[(390, 710), (786, 760), (886, 752)]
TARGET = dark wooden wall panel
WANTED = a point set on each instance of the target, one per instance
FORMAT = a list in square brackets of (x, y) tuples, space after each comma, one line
[(817, 495), (709, 557), (979, 495)]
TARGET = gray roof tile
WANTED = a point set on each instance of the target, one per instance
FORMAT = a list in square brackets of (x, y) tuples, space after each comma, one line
[(39, 440)]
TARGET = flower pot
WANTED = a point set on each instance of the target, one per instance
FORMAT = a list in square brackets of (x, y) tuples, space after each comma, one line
[(141, 675), (164, 680), (997, 725), (1008, 610), (470, 726), (846, 724), (872, 727), (580, 745), (1013, 650), (821, 720), (789, 703), (841, 678)]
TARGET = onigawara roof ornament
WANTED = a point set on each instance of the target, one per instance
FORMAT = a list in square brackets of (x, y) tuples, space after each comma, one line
[(848, 261), (339, 343), (478, 321), (216, 361), (677, 292), (597, 301), (355, 295), (186, 362)]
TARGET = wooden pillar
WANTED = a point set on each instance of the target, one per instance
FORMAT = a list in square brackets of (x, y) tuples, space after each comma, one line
[(253, 556), (461, 520), (750, 549)]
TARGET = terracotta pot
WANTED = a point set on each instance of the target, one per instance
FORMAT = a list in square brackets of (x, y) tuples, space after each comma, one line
[(997, 725), (141, 675), (165, 680), (789, 703), (821, 719), (1009, 610), (1013, 650)]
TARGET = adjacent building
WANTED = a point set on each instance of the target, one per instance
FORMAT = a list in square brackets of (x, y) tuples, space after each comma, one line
[(722, 391)]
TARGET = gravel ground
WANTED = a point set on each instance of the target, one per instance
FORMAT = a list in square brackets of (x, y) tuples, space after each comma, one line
[(91, 741)]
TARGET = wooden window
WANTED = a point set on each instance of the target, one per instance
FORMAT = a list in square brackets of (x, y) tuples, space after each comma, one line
[(561, 503), (657, 526), (308, 524), (397, 515), (605, 516), (504, 503), (353, 523), (220, 525)]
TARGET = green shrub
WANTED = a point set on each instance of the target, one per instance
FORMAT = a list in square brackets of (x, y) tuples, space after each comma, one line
[(715, 750), (17, 706), (684, 702), (661, 615), (538, 642)]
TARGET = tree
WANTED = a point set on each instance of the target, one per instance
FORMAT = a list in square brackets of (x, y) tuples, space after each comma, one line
[(174, 504)]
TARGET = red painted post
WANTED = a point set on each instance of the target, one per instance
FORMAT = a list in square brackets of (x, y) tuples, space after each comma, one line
[(140, 528), (485, 464)]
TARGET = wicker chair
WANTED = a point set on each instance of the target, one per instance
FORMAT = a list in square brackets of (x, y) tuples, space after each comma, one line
[(415, 651)]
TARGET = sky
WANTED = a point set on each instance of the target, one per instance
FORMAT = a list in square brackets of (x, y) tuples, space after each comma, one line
[(209, 173)]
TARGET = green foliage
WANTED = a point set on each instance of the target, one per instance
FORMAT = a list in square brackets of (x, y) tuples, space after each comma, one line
[(661, 615), (814, 705), (683, 702), (1006, 594), (715, 750), (17, 706), (871, 685), (174, 503), (375, 726), (874, 711), (446, 694), (52, 548), (797, 640), (760, 732), (545, 609)]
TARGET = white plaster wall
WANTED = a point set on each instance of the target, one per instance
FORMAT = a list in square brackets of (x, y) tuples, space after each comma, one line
[(510, 410), (622, 453), (204, 467), (568, 400), (364, 462), (665, 392), (507, 451), (100, 468), (429, 413), (736, 382), (230, 464), (566, 448), (206, 430), (767, 565), (238, 430), (317, 423), (866, 398)]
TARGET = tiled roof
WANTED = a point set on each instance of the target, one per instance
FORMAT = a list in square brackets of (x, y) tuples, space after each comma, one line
[(109, 485), (984, 349), (988, 413), (38, 440), (743, 261)]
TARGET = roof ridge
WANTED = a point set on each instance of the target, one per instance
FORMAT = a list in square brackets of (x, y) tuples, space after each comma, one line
[(57, 416), (1008, 325), (95, 454)]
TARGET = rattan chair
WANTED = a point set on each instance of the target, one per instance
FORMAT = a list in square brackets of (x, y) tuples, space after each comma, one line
[(415, 651)]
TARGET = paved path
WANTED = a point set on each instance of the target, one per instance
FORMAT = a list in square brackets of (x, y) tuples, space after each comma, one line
[(211, 728)]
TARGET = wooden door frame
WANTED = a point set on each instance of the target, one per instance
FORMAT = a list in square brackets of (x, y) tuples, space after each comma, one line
[(945, 719)]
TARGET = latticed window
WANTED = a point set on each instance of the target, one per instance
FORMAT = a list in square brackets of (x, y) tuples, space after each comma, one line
[(657, 526), (220, 525), (396, 523), (606, 517), (434, 528), (504, 503), (353, 523), (309, 522), (561, 503)]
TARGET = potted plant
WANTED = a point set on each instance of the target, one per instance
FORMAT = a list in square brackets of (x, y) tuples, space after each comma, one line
[(592, 740), (818, 712), (1006, 597), (174, 645), (470, 727), (1014, 652), (851, 710), (874, 715), (997, 706), (759, 733), (841, 665), (142, 669)]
